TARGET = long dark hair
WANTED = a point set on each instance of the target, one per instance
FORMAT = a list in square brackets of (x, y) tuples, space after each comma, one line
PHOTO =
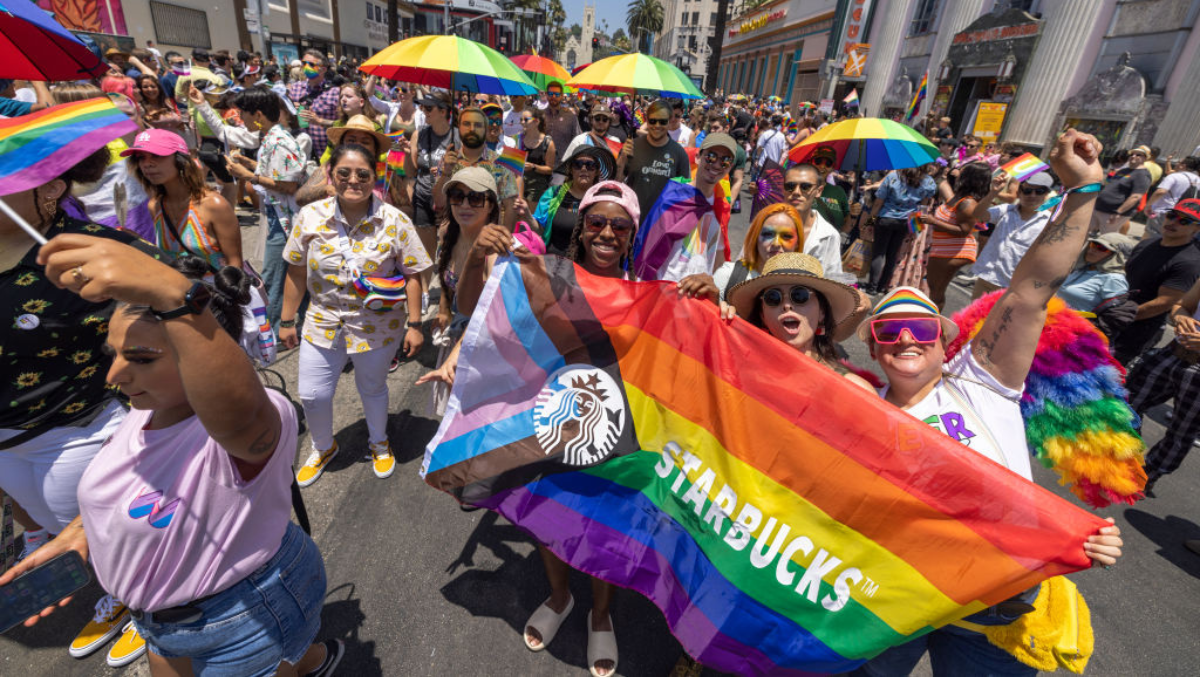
[(453, 230), (822, 342), (230, 289), (162, 96), (974, 181)]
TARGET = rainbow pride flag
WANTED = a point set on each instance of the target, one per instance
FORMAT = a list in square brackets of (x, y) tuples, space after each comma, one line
[(783, 520), (915, 225), (918, 97), (38, 147), (513, 159), (851, 98), (678, 213), (1024, 166)]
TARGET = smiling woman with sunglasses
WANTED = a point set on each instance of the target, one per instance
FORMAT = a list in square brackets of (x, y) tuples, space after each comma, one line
[(975, 397), (337, 246)]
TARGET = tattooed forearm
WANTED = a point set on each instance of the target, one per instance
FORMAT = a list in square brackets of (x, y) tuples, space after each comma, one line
[(265, 443), (988, 346), (1056, 232), (1053, 284)]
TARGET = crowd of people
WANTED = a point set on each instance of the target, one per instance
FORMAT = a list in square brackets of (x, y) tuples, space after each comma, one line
[(365, 187)]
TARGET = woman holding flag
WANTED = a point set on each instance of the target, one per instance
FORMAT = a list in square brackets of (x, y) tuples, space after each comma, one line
[(980, 390)]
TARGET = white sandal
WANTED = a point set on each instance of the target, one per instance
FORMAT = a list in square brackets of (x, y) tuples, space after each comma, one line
[(602, 646), (547, 623)]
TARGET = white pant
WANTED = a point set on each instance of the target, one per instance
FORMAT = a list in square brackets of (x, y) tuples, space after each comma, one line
[(318, 377), (42, 475)]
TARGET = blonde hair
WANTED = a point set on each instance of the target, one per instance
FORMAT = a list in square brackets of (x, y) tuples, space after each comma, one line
[(75, 91)]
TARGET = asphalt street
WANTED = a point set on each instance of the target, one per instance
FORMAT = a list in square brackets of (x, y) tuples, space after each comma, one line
[(418, 587)]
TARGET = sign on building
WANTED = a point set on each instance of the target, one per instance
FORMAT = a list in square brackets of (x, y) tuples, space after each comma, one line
[(989, 120)]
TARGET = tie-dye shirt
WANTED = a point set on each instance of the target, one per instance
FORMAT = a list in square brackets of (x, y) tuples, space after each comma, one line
[(383, 244), (178, 521)]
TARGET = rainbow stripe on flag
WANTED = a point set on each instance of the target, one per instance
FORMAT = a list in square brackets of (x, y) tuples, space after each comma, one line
[(915, 225), (38, 147), (784, 520), (851, 98), (1024, 166), (513, 159), (678, 213), (918, 97)]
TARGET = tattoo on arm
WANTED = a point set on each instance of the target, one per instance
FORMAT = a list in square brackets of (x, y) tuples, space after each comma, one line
[(1053, 284), (1055, 232), (264, 443), (988, 346)]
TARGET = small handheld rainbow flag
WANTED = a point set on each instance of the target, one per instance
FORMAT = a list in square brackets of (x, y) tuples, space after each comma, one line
[(614, 146), (1025, 166), (915, 224), (851, 98), (513, 159), (38, 147), (396, 135), (918, 97), (395, 161)]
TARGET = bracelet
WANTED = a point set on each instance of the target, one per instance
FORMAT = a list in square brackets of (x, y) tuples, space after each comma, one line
[(415, 325), (1056, 203), (287, 324)]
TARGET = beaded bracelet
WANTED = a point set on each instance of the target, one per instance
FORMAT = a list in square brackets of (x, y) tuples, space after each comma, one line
[(1056, 203)]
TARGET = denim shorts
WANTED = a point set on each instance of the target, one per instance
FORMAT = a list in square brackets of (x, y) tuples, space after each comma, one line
[(270, 616)]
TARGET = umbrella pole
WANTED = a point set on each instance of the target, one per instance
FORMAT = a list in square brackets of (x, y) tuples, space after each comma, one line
[(20, 221)]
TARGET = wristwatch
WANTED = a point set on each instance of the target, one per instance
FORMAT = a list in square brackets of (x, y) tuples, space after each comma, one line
[(194, 302)]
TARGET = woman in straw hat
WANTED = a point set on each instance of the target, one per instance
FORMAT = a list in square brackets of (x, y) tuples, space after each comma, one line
[(358, 130), (975, 397), (794, 301)]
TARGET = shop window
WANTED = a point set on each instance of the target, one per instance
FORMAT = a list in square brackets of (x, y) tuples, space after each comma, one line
[(924, 17), (175, 25)]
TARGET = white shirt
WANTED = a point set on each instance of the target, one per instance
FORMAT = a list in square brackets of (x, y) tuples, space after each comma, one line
[(774, 145), (973, 408), (699, 252), (512, 122), (1012, 238), (682, 136), (1175, 184), (825, 243)]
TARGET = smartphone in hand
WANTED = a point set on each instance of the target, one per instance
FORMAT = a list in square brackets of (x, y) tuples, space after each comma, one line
[(42, 587)]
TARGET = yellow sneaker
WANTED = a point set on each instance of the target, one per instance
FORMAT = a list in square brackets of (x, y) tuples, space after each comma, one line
[(110, 616), (315, 466), (382, 461), (128, 649)]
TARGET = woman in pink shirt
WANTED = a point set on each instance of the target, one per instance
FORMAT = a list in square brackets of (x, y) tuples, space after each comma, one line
[(191, 494)]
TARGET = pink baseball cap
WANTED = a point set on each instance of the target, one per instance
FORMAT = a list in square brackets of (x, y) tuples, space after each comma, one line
[(627, 198), (157, 142)]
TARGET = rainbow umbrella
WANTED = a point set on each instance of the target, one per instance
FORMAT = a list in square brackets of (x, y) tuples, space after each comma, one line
[(577, 69), (636, 74), (869, 144), (774, 99), (33, 46), (450, 62), (541, 70)]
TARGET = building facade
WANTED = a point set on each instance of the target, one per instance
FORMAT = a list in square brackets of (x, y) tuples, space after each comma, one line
[(777, 49), (578, 52), (1022, 70), (685, 38)]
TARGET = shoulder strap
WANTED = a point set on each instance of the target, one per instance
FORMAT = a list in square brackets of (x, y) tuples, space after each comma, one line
[(739, 275), (175, 233)]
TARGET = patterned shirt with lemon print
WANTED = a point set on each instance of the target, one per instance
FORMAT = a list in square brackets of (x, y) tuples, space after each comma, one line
[(383, 244)]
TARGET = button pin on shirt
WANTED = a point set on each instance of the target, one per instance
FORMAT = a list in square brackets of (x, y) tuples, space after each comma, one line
[(28, 322)]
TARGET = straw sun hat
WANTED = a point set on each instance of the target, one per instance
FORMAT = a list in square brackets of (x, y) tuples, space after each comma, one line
[(794, 268), (360, 123)]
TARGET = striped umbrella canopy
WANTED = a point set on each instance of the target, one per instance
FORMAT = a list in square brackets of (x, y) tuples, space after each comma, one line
[(34, 46), (450, 62), (636, 74), (541, 70), (869, 144)]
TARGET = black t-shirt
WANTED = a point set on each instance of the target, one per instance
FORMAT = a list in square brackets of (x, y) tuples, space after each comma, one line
[(563, 225), (53, 365), (650, 168), (1126, 182), (1149, 267), (743, 120)]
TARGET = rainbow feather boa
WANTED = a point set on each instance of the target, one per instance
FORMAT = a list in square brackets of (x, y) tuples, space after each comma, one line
[(1076, 411)]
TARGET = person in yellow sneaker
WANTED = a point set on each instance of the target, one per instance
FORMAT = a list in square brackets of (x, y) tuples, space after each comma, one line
[(335, 243)]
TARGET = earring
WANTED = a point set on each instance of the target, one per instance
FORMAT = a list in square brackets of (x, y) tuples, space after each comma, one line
[(49, 208), (820, 331)]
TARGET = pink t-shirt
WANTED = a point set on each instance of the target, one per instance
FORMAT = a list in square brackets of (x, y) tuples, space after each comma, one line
[(170, 519)]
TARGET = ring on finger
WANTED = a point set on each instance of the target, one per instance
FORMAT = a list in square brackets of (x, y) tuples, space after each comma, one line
[(79, 276)]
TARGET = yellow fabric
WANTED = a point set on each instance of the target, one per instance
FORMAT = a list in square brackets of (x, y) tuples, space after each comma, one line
[(127, 646), (1057, 633)]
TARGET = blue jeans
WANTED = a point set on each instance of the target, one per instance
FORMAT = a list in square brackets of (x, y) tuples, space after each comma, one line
[(272, 615), (274, 269)]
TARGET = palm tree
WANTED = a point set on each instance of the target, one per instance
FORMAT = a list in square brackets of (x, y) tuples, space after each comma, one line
[(644, 18)]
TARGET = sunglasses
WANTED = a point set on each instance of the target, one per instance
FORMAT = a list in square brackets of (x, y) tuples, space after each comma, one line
[(773, 298), (657, 121), (527, 120), (717, 159), (590, 165), (426, 108), (793, 186), (821, 161), (345, 173), (473, 198), (921, 329), (596, 223), (1183, 220), (553, 93), (1034, 190), (495, 119), (601, 118)]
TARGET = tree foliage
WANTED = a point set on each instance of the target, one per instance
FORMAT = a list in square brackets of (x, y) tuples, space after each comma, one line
[(644, 19)]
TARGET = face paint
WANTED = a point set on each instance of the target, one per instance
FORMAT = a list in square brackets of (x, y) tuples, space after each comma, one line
[(782, 238), (310, 72)]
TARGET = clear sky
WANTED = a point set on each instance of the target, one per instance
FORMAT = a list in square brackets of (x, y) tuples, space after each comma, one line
[(612, 11)]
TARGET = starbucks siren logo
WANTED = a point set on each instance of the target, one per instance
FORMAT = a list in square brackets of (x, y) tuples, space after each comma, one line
[(579, 412)]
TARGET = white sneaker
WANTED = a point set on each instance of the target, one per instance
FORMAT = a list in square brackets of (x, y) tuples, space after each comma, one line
[(33, 541)]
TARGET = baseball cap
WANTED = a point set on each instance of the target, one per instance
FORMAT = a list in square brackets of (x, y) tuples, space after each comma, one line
[(1189, 208), (437, 98), (720, 140), (476, 179), (601, 108), (626, 198), (158, 142), (1042, 179), (1143, 150), (491, 109), (201, 54)]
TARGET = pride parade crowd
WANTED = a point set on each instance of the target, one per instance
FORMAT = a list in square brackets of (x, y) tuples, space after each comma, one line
[(137, 329)]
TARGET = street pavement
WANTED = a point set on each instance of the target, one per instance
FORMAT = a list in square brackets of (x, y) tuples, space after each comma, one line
[(419, 588)]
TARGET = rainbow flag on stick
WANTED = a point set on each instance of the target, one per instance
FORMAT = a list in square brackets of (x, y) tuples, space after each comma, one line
[(918, 97), (851, 98), (784, 520), (513, 159), (1025, 166), (38, 147)]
